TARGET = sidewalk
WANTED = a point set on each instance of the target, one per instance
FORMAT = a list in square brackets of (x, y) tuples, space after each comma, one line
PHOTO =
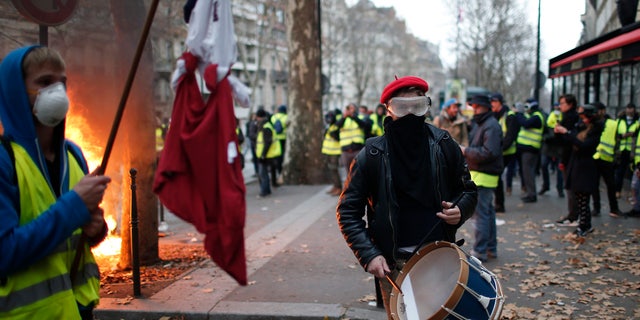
[(299, 266)]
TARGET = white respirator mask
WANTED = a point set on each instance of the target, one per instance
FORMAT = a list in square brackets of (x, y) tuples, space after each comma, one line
[(51, 104)]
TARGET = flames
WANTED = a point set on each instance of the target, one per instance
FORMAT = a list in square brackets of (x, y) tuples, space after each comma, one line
[(79, 131)]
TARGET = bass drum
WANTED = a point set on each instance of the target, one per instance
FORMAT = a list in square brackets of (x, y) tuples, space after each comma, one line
[(441, 281)]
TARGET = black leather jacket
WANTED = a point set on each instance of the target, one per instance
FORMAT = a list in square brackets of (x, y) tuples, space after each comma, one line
[(372, 188)]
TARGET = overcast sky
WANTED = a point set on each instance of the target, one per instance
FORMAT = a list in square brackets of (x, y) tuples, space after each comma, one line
[(431, 20)]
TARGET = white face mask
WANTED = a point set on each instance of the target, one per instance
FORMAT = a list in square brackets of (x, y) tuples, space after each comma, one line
[(51, 104)]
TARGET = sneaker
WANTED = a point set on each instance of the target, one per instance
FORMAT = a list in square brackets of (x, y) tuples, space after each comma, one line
[(582, 233), (543, 191), (492, 255), (566, 222), (615, 213)]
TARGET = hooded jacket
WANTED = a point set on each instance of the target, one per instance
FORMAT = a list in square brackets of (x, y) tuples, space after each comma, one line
[(374, 190), (23, 245)]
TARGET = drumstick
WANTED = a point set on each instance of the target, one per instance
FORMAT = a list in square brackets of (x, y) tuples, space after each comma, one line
[(393, 283)]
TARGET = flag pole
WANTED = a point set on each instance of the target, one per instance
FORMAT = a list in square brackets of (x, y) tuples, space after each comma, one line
[(127, 87)]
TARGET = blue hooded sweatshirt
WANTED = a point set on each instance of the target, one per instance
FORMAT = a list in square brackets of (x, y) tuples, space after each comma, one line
[(22, 245)]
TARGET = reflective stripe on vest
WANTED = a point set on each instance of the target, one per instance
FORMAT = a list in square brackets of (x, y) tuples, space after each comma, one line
[(350, 133), (283, 121), (625, 143), (503, 124), (330, 145), (486, 180), (531, 136), (274, 150), (44, 290), (606, 149)]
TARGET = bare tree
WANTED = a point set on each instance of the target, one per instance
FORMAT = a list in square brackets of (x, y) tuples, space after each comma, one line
[(497, 48), (303, 163)]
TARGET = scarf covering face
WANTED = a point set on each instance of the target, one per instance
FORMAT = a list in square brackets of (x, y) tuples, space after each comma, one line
[(408, 156)]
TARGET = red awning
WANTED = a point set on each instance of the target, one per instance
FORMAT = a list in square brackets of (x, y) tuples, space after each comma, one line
[(617, 42)]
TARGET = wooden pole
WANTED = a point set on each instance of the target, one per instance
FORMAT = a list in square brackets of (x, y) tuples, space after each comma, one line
[(127, 86)]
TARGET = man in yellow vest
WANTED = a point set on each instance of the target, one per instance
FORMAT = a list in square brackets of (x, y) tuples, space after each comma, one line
[(331, 152), (268, 150), (510, 127), (551, 152), (50, 212), (352, 134), (605, 154), (529, 143), (627, 130), (377, 120), (280, 122), (484, 157)]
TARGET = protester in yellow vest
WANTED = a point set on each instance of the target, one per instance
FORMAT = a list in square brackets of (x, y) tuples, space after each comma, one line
[(529, 142), (49, 202), (331, 152), (377, 120), (627, 130), (268, 150), (484, 157), (280, 122), (510, 127), (551, 153), (605, 155), (352, 134)]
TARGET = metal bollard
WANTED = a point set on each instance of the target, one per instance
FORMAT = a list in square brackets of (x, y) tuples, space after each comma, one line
[(134, 236)]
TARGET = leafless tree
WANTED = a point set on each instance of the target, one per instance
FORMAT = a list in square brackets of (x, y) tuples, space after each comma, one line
[(497, 46)]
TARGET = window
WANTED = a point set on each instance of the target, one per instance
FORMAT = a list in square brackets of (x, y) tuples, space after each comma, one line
[(614, 88), (625, 94), (636, 83), (604, 86)]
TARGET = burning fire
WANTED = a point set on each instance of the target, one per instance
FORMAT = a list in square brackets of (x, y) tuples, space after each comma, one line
[(79, 131)]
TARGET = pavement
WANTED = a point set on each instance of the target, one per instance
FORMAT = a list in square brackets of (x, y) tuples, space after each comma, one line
[(299, 266)]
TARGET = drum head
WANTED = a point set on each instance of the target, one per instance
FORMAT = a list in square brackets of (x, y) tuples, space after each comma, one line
[(428, 281)]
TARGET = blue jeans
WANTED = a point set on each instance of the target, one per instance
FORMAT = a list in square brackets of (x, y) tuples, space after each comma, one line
[(263, 176), (485, 224)]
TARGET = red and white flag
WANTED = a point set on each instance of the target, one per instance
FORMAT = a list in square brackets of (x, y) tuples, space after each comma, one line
[(199, 176)]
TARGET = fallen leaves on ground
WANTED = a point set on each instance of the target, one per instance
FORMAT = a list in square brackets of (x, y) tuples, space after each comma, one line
[(175, 260)]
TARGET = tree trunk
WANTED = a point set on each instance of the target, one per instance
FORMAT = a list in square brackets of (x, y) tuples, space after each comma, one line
[(136, 136), (303, 162)]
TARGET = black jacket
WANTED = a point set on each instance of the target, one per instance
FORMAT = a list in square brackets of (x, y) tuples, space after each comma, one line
[(370, 186)]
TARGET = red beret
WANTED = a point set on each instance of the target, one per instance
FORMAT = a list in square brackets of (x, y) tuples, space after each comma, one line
[(404, 82)]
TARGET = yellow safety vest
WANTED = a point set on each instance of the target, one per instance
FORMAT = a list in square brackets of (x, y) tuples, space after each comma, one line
[(330, 145), (625, 143), (159, 140), (554, 118), (283, 121), (351, 133), (606, 148), (503, 123), (274, 149), (482, 179), (531, 136), (376, 129), (636, 156), (44, 290)]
